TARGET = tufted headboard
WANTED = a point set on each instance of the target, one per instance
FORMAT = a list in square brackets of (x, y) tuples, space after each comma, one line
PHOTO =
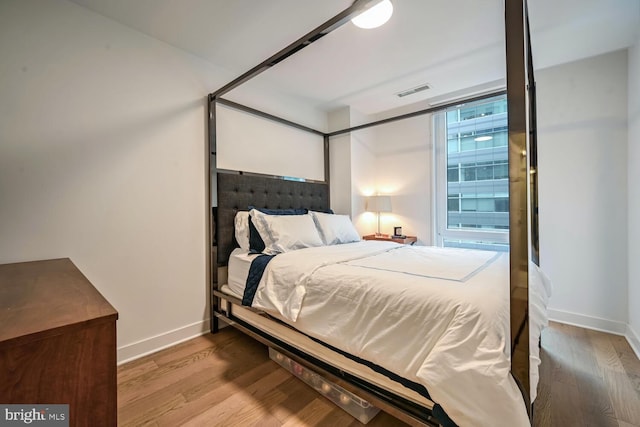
[(236, 192)]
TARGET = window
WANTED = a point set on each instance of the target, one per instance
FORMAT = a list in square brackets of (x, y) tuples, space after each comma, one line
[(472, 171)]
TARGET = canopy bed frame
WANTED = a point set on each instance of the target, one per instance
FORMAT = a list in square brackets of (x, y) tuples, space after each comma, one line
[(230, 191)]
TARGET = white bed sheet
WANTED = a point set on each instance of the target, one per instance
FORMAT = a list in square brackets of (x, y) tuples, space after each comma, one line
[(238, 270), (445, 325)]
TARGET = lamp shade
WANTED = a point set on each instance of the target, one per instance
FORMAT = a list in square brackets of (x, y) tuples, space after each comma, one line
[(378, 204)]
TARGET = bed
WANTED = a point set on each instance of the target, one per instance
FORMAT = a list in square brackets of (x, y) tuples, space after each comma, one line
[(441, 313), (480, 373)]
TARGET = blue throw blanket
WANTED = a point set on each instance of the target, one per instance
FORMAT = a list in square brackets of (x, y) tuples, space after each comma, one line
[(256, 270)]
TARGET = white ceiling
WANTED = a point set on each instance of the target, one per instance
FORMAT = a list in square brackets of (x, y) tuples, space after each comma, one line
[(450, 44)]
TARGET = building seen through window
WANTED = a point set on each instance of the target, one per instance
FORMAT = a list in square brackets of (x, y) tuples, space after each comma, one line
[(477, 175)]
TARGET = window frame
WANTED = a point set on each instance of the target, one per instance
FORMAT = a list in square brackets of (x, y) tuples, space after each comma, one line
[(441, 200)]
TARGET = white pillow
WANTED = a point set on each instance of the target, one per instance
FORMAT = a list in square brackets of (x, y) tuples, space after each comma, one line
[(260, 226), (335, 229), (283, 233), (241, 225)]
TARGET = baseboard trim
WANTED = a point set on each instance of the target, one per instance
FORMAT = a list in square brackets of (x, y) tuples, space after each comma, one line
[(634, 340), (141, 348), (138, 349), (589, 322)]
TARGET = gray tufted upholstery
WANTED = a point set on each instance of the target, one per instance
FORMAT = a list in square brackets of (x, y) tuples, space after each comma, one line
[(238, 192)]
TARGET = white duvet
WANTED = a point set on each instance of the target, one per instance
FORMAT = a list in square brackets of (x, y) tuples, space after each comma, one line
[(436, 316)]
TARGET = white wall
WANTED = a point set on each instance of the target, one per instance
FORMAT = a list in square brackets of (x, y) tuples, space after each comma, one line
[(633, 166), (250, 143), (363, 173), (403, 166), (102, 160), (363, 180), (340, 163), (392, 159), (582, 131)]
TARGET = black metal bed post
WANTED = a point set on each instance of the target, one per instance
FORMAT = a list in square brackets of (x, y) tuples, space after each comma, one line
[(327, 168), (212, 196), (422, 112), (264, 115), (516, 56), (533, 146)]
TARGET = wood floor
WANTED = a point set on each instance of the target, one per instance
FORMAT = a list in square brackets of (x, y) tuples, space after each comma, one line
[(588, 378)]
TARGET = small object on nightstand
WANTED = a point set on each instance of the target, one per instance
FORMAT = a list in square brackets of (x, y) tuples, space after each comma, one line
[(397, 231)]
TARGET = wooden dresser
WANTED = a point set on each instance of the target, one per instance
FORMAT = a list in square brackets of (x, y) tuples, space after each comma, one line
[(57, 341)]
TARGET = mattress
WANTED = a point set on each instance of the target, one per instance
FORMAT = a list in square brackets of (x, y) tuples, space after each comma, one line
[(323, 353), (238, 270), (445, 324)]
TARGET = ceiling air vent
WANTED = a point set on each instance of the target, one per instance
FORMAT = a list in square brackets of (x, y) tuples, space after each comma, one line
[(413, 90)]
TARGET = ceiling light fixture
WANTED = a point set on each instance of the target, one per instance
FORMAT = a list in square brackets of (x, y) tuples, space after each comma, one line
[(375, 16)]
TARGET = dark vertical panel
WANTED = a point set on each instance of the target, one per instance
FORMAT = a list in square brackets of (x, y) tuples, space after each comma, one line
[(327, 169), (533, 148), (212, 203), (518, 196)]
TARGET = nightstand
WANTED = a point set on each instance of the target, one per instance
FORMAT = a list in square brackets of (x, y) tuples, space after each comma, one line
[(408, 240)]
